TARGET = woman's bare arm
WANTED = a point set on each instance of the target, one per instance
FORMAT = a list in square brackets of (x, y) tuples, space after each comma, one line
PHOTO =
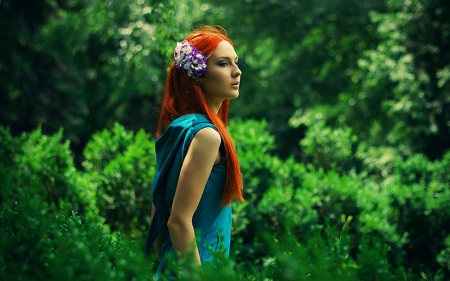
[(194, 174)]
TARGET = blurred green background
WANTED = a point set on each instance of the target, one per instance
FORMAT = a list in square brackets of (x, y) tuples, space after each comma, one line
[(342, 128)]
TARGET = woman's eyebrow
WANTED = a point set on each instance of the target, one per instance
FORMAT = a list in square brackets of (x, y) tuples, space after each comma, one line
[(225, 57)]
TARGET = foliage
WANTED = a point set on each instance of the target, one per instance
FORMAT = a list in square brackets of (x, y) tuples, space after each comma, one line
[(41, 243), (122, 165), (44, 163), (9, 147), (84, 65), (326, 256), (40, 233), (254, 147), (327, 147), (393, 206), (347, 225), (348, 174), (354, 63), (296, 55)]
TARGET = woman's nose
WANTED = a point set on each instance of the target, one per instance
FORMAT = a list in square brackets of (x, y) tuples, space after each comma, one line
[(237, 72)]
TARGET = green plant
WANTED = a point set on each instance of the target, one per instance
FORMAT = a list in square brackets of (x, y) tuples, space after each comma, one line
[(41, 235), (44, 164), (122, 164), (327, 147)]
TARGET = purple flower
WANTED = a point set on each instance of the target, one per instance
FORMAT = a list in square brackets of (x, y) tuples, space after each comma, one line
[(187, 57)]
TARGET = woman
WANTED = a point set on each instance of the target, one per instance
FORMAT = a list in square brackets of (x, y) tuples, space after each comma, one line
[(198, 173)]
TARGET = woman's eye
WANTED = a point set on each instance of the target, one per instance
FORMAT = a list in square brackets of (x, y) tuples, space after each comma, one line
[(236, 62), (223, 63)]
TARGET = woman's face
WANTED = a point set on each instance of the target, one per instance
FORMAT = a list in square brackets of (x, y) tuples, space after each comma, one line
[(222, 75)]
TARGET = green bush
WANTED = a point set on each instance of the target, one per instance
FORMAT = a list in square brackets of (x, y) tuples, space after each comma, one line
[(42, 243), (43, 163), (121, 165), (298, 221), (421, 207), (444, 256), (402, 204), (329, 148), (41, 236), (254, 146), (327, 256), (9, 147)]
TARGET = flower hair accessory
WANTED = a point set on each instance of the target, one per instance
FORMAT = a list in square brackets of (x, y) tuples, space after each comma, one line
[(187, 57)]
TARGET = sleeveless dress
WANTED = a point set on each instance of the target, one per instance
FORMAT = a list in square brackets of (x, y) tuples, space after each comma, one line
[(211, 221)]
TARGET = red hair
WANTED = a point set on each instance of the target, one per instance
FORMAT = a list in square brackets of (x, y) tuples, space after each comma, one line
[(182, 96)]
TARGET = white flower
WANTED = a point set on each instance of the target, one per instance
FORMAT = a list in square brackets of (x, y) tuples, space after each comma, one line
[(187, 57)]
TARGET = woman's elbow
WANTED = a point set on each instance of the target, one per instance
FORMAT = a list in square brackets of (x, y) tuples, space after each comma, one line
[(176, 224)]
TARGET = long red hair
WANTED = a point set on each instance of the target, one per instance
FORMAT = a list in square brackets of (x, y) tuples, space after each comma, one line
[(182, 96)]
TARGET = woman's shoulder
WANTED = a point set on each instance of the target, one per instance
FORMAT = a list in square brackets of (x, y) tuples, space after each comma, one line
[(187, 126), (190, 119), (193, 122), (208, 136)]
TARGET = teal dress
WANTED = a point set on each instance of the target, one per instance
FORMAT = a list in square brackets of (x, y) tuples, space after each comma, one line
[(211, 221)]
